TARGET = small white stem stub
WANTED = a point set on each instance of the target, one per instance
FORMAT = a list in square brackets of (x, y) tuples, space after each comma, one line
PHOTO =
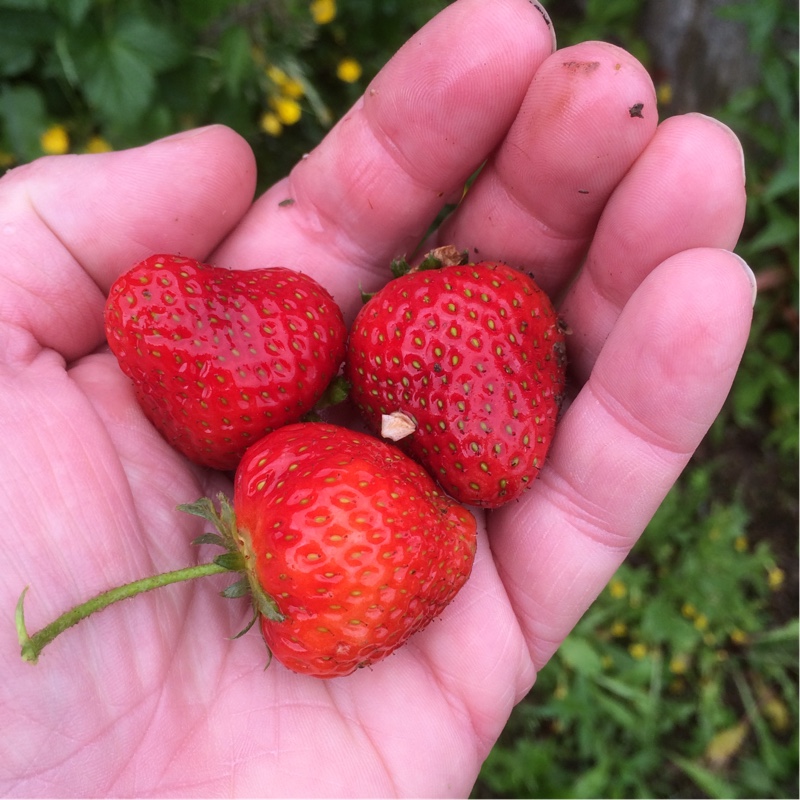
[(397, 425)]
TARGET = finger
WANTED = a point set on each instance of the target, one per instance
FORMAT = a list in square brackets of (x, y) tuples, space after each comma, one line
[(72, 224), (658, 384), (685, 191), (588, 115), (369, 192)]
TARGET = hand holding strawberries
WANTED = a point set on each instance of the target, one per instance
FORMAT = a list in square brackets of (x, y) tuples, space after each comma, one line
[(625, 224)]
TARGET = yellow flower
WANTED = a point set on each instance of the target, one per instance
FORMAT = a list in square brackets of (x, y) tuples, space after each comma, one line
[(276, 75), (6, 159), (619, 629), (664, 93), (740, 544), (638, 650), (55, 140), (323, 11), (775, 578), (97, 144), (679, 664), (688, 610), (701, 622), (738, 636), (617, 589), (561, 691), (270, 124), (349, 70), (287, 109), (293, 88)]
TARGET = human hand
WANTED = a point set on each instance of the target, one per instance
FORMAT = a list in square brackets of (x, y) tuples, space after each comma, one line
[(627, 224)]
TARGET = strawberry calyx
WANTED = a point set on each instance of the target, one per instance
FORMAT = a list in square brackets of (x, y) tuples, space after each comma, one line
[(237, 557), (445, 256)]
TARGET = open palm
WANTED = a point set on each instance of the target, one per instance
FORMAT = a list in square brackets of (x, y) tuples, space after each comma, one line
[(626, 223)]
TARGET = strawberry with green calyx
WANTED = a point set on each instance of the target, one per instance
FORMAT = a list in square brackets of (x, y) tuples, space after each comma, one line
[(465, 366), (343, 543), (220, 357)]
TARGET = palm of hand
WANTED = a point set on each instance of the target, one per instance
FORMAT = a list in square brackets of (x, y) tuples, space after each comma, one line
[(151, 697)]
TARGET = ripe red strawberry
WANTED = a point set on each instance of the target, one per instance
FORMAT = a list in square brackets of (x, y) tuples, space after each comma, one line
[(346, 545), (472, 358), (220, 357), (352, 542)]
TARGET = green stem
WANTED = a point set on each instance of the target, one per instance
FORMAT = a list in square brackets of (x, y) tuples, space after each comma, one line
[(33, 645)]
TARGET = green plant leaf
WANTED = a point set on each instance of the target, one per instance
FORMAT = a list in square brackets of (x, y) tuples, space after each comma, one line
[(581, 656), (235, 57), (710, 783), (156, 45), (22, 112)]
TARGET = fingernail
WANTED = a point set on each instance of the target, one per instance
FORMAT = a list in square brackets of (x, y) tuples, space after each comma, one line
[(750, 275), (541, 9)]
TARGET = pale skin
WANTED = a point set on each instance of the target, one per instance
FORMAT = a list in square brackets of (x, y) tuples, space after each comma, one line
[(627, 223)]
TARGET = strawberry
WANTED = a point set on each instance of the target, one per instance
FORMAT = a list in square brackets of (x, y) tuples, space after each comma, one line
[(468, 362), (345, 544), (351, 540), (220, 357)]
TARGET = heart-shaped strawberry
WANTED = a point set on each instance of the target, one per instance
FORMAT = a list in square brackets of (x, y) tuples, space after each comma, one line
[(220, 357)]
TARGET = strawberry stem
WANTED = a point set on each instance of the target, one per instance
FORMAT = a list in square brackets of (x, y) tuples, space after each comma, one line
[(31, 646)]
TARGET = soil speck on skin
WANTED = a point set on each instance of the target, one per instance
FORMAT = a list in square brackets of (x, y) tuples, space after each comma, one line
[(581, 66)]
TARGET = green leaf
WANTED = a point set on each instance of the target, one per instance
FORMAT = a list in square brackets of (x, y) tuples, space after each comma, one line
[(239, 589), (235, 57), (581, 656), (155, 45), (22, 112), (210, 538), (230, 561), (117, 82), (711, 784), (72, 11)]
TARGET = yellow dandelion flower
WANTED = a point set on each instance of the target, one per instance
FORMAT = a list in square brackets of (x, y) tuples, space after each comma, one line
[(97, 144), (55, 140), (276, 75), (688, 611), (701, 622), (619, 629), (293, 88), (287, 109), (678, 664), (740, 544), (348, 70), (638, 650), (664, 93), (323, 11), (270, 124), (617, 589), (738, 636), (775, 578)]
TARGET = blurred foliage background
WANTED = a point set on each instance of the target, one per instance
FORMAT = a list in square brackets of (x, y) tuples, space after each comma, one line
[(681, 680)]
